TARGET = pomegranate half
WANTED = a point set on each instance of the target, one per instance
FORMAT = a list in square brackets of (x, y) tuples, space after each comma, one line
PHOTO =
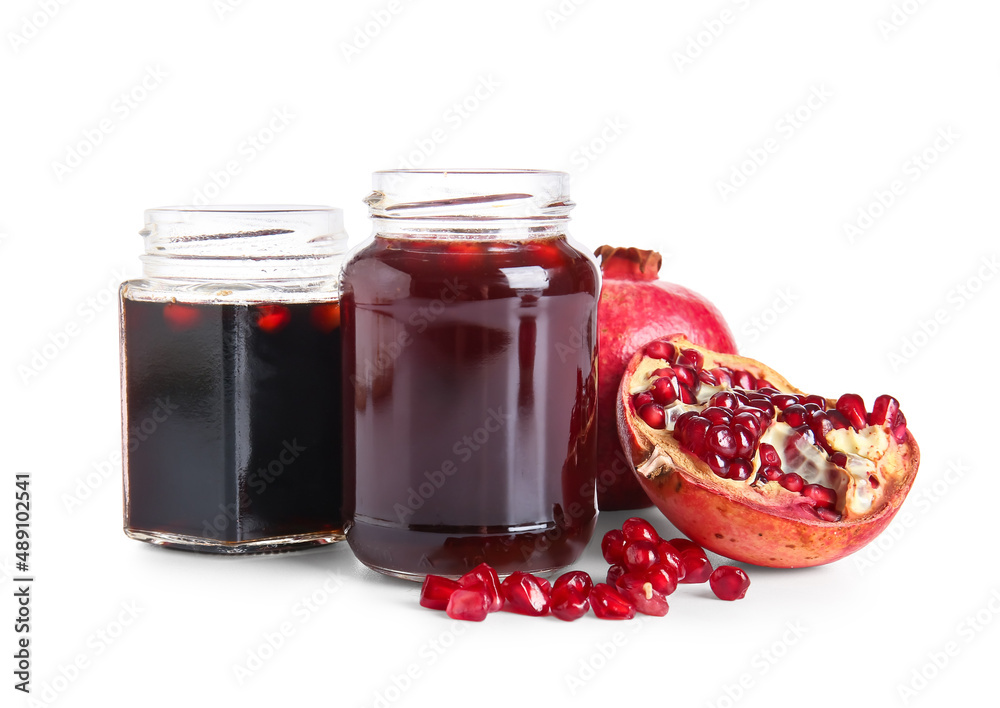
[(750, 467)]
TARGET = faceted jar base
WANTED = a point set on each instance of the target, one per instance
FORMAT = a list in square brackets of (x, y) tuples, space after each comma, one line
[(262, 545)]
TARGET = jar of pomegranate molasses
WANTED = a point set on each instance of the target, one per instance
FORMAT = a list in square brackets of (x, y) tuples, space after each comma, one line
[(231, 381), (470, 376)]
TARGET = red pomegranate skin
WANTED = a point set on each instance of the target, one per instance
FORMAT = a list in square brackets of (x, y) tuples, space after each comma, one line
[(635, 308)]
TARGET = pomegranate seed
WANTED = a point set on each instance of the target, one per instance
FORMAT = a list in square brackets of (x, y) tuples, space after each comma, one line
[(898, 427), (762, 405), (794, 415), (818, 400), (485, 578), (729, 582), (687, 395), (694, 434), (723, 375), (638, 529), (686, 376), (663, 371), (680, 425), (766, 388), (181, 317), (660, 350), (739, 469), (883, 407), (640, 555), (852, 406), (724, 399), (827, 514), (436, 590), (720, 440), (664, 391), (745, 380), (791, 481), (615, 572), (697, 567), (635, 588), (691, 358), (823, 496), (613, 546), (670, 557), (820, 424), (663, 577), (273, 318), (746, 443), (873, 480), (707, 378), (608, 603), (768, 455), (545, 585), (525, 595), (653, 416), (716, 463), (782, 400), (469, 605), (641, 399), (717, 415), (571, 595), (769, 473), (748, 421), (838, 419), (839, 459)]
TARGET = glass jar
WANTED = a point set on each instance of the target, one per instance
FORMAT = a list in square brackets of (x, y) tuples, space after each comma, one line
[(231, 382), (470, 376)]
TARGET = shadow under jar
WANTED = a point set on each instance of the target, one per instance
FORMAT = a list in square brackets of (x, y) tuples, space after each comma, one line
[(470, 376), (231, 380)]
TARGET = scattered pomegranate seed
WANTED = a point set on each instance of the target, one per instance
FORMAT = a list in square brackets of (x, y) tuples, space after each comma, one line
[(670, 557), (638, 529), (436, 591), (608, 603), (524, 595), (697, 567), (663, 577), (273, 318), (571, 595), (614, 572), (469, 605), (638, 590), (640, 555), (729, 582), (483, 577), (613, 546)]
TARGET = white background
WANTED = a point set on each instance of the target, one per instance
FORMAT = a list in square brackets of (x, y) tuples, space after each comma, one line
[(651, 106)]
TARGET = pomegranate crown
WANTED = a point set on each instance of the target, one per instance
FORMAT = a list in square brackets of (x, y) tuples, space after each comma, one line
[(632, 263)]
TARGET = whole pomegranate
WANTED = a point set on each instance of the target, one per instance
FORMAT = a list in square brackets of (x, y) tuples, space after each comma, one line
[(634, 308), (754, 469)]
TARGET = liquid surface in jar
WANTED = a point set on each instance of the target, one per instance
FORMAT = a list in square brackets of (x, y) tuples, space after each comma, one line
[(233, 419), (472, 419)]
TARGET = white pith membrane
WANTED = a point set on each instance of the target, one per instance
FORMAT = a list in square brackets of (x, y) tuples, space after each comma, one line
[(864, 449)]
